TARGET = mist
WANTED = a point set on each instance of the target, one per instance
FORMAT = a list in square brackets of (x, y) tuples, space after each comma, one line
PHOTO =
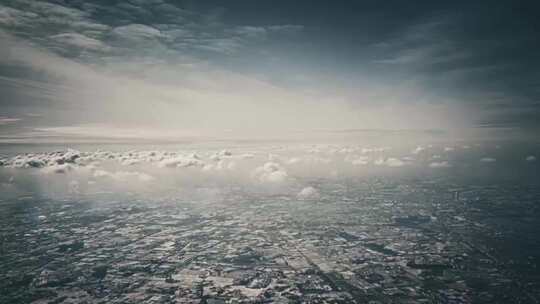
[(143, 98)]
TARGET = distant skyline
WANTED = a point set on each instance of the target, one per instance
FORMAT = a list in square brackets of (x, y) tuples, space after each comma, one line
[(158, 69)]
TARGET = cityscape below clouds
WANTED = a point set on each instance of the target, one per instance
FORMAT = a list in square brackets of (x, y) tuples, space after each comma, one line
[(181, 151)]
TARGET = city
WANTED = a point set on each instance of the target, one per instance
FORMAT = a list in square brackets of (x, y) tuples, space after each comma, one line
[(379, 239)]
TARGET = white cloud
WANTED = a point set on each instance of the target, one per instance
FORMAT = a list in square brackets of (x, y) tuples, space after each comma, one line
[(124, 175), (131, 162), (294, 160), (390, 162), (58, 169), (220, 165), (488, 160), (221, 155), (442, 164), (250, 31), (43, 160), (261, 32), (394, 162), (137, 32), (220, 45), (90, 26), (308, 193), (530, 158), (8, 120), (181, 162), (286, 28), (360, 161), (80, 41), (271, 172), (373, 150), (418, 149), (247, 155)]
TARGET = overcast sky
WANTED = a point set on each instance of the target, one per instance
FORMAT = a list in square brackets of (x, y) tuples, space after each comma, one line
[(158, 68)]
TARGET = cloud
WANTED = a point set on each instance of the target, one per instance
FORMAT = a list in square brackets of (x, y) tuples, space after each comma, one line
[(187, 167), (124, 175), (373, 150), (418, 149), (80, 41), (294, 160), (90, 27), (457, 66), (439, 53), (488, 160), (194, 55), (530, 158), (181, 162), (178, 30), (390, 162), (271, 172), (13, 17), (252, 32), (262, 32), (421, 44), (137, 32), (105, 131), (286, 28), (219, 45), (442, 164), (362, 160), (8, 120), (43, 160), (58, 169), (308, 193), (52, 9), (183, 98)]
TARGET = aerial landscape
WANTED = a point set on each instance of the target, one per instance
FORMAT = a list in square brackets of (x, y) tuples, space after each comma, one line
[(165, 151)]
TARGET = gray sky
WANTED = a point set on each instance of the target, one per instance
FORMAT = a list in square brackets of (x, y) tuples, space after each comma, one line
[(176, 69)]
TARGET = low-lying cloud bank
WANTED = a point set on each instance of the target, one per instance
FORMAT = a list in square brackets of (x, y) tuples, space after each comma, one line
[(280, 168)]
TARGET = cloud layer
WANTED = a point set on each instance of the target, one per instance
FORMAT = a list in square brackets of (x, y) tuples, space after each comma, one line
[(292, 171)]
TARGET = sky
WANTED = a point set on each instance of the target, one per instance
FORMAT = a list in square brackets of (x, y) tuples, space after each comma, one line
[(164, 69)]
